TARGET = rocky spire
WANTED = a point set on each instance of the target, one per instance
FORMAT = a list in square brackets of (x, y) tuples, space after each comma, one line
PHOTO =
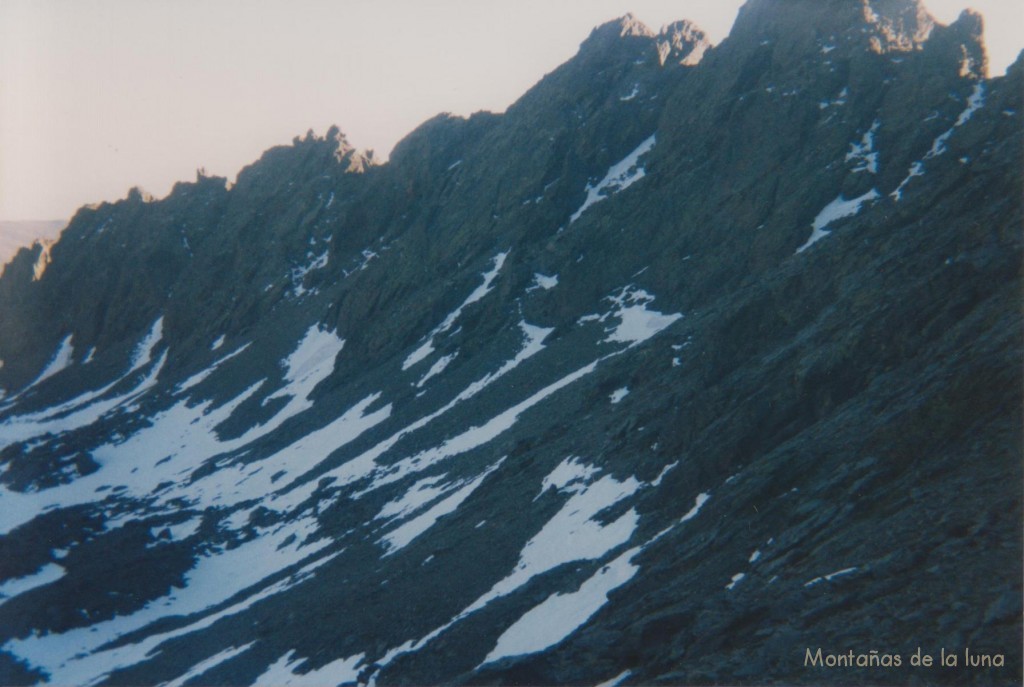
[(682, 42), (611, 33)]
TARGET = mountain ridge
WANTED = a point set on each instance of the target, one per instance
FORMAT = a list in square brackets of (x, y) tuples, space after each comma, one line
[(718, 361)]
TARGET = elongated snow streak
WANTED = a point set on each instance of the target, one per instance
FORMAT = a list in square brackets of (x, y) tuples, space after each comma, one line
[(60, 656), (836, 210), (560, 615), (60, 360), (436, 369), (571, 534), (141, 356), (617, 680), (974, 103), (203, 374), (830, 576), (144, 351), (50, 572), (736, 579), (20, 428), (620, 176), (698, 504), (556, 618), (406, 533), (428, 346), (470, 439), (199, 669), (365, 463), (156, 460), (282, 673)]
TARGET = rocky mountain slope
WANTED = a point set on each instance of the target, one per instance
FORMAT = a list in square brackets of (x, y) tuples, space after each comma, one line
[(694, 361)]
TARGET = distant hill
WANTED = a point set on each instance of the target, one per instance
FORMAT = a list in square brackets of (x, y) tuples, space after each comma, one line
[(15, 235)]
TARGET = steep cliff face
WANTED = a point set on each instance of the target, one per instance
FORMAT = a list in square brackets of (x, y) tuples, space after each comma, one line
[(694, 359)]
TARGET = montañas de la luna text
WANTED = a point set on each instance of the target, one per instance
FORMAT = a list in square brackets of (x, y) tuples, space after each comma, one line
[(877, 659)]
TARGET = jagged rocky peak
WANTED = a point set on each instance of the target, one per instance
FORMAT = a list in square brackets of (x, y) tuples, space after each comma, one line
[(356, 160), (900, 25), (611, 33), (335, 143), (968, 30), (880, 25), (682, 42), (628, 25)]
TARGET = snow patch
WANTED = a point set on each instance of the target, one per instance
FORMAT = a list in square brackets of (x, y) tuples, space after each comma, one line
[(619, 394), (617, 680), (570, 475), (544, 282), (60, 360), (620, 176), (664, 471), (863, 154), (403, 535), (418, 495), (736, 579), (836, 210), (282, 673), (144, 351), (60, 657), (572, 534), (179, 532), (557, 617), (830, 576), (51, 572), (697, 505), (436, 369), (636, 323), (203, 374)]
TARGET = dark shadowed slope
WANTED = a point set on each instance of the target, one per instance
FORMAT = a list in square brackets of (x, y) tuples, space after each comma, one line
[(693, 360)]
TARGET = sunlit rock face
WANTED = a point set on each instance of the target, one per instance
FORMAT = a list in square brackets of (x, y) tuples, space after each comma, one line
[(694, 361)]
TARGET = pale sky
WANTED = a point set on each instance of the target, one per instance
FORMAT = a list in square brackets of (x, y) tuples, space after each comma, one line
[(97, 96)]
